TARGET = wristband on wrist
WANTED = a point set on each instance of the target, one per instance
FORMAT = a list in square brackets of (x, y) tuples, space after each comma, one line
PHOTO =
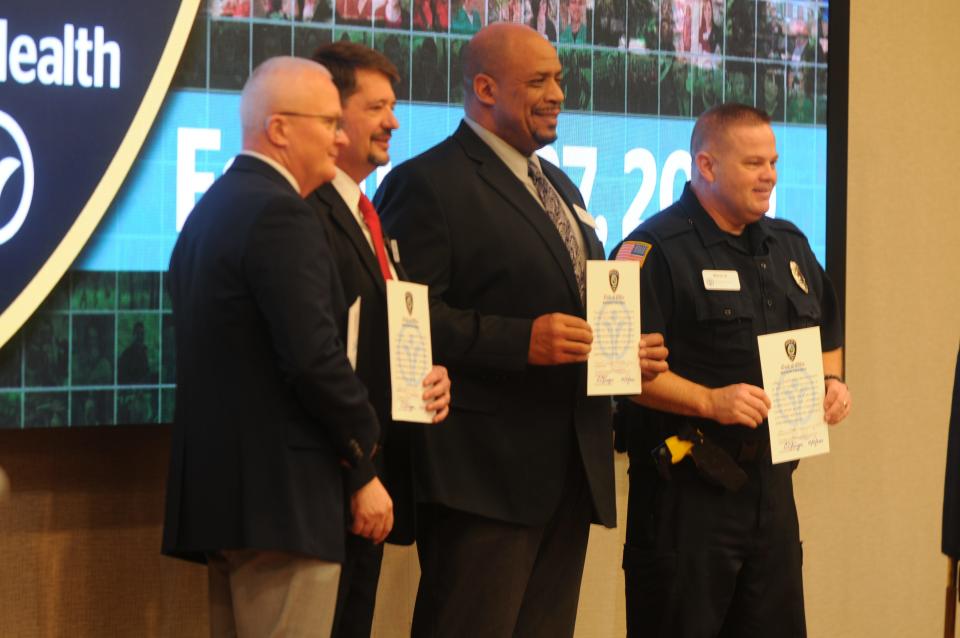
[(836, 377)]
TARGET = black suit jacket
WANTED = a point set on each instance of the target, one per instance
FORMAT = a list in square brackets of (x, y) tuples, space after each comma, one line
[(268, 407), (360, 277), (494, 262)]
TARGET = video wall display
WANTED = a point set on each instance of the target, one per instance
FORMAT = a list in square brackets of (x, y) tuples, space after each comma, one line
[(100, 351)]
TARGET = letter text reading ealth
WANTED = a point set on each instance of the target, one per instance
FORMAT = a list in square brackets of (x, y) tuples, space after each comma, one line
[(73, 59)]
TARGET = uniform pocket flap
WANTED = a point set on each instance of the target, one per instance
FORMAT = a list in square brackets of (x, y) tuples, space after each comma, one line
[(806, 306), (723, 306)]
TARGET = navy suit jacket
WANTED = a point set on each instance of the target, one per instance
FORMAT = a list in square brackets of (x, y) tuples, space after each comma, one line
[(360, 276), (494, 262), (268, 409)]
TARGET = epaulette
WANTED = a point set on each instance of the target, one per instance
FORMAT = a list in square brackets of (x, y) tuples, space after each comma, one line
[(668, 223), (784, 225)]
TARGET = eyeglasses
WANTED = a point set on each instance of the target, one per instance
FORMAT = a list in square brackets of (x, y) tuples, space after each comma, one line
[(332, 123)]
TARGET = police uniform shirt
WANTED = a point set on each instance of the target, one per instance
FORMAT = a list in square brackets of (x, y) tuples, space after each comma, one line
[(712, 334)]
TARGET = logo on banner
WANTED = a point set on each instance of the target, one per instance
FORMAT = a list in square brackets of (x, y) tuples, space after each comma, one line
[(10, 224), (80, 87)]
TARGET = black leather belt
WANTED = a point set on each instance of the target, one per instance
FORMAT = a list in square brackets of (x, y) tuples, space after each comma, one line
[(745, 451)]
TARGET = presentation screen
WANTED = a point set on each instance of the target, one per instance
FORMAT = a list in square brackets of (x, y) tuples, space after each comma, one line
[(637, 73)]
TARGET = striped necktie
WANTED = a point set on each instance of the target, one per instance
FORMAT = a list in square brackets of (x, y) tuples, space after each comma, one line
[(553, 206)]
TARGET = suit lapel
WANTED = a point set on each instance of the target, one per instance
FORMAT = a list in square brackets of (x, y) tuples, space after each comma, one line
[(492, 170), (589, 234), (345, 220)]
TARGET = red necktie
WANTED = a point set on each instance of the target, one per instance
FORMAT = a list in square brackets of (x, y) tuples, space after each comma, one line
[(372, 220)]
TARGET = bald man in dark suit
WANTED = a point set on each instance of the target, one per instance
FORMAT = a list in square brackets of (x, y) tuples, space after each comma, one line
[(269, 411), (510, 485)]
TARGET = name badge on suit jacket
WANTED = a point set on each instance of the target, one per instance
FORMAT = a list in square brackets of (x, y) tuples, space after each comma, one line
[(584, 216), (395, 251)]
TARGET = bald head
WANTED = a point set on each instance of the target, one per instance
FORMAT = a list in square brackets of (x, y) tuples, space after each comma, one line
[(498, 48), (492, 50), (512, 85), (279, 84), (290, 112)]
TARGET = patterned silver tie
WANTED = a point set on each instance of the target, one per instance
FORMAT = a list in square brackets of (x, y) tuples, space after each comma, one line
[(553, 206)]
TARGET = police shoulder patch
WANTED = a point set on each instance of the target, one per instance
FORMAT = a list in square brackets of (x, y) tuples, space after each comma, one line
[(634, 251)]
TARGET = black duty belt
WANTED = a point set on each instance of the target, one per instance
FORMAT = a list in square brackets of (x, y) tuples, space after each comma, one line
[(746, 451), (718, 461)]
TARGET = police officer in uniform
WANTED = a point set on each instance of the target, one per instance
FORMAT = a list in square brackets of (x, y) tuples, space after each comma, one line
[(713, 547)]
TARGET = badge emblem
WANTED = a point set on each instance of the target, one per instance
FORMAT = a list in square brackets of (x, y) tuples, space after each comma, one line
[(798, 277), (614, 279), (408, 300), (91, 90), (791, 347)]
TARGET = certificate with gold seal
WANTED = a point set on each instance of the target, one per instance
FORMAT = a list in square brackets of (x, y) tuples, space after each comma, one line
[(411, 357), (613, 311), (792, 366)]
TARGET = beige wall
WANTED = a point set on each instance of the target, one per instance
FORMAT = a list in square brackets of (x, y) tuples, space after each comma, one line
[(79, 539), (870, 511)]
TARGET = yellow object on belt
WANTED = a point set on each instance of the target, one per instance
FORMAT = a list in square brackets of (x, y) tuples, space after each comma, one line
[(679, 449)]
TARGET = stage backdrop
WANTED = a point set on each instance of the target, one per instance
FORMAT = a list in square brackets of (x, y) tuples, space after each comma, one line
[(637, 73)]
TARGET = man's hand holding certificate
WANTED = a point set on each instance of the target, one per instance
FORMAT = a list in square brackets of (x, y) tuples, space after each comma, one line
[(792, 367)]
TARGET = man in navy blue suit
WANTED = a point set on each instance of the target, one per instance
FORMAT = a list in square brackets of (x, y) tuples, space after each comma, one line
[(269, 411), (366, 258), (511, 482)]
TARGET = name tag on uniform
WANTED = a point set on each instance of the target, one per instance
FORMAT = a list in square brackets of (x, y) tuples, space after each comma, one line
[(584, 216), (721, 280)]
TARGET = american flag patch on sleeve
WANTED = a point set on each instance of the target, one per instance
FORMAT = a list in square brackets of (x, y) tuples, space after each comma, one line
[(634, 251)]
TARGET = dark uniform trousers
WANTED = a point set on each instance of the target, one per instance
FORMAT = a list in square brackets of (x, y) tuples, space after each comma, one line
[(703, 562)]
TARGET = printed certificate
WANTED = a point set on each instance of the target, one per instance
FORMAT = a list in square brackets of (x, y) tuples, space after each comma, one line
[(613, 311), (792, 367), (411, 358)]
